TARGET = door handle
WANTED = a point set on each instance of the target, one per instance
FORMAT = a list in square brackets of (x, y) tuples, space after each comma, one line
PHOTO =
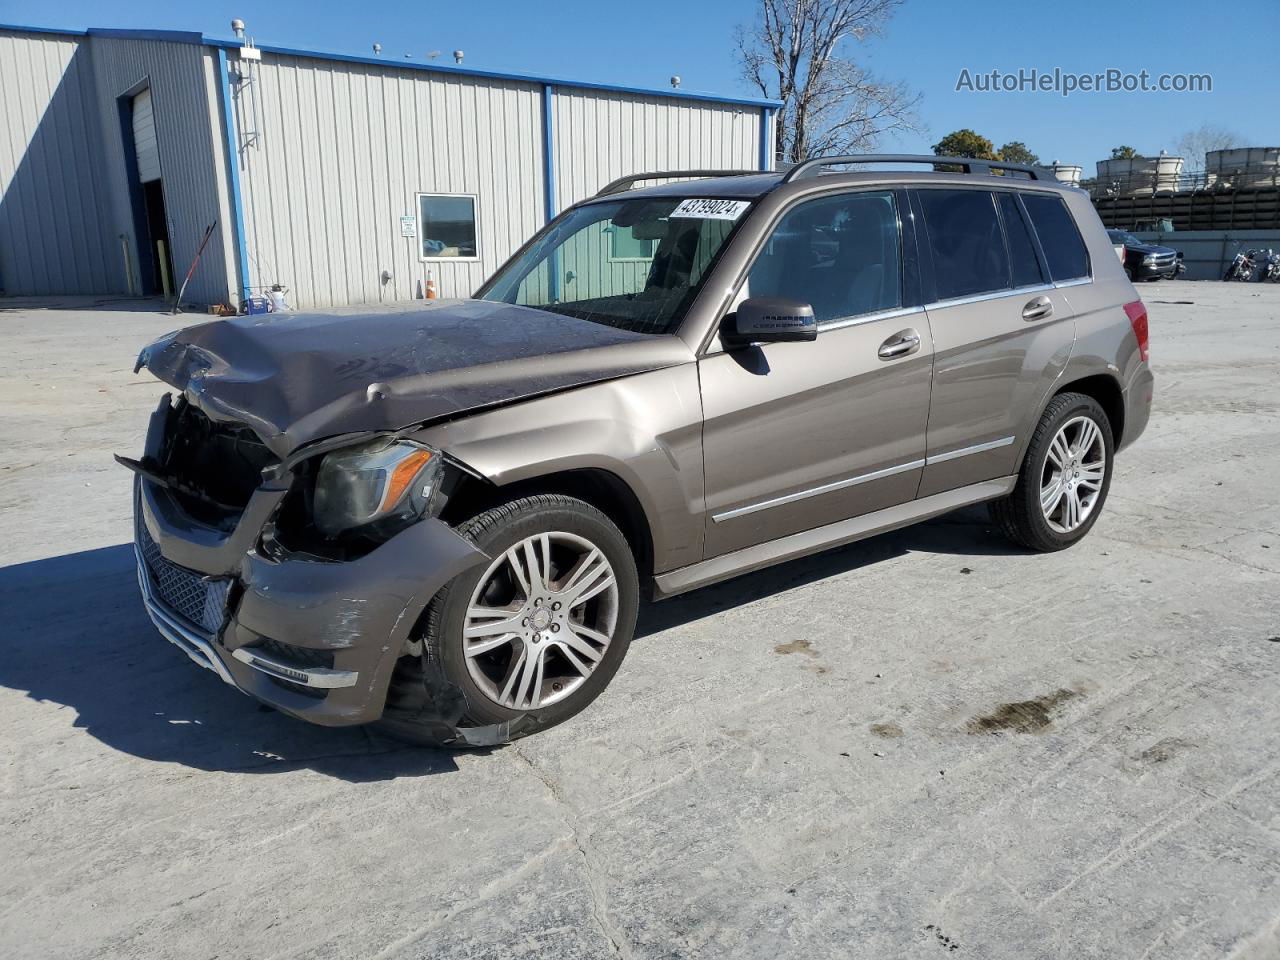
[(1037, 308), (901, 344)]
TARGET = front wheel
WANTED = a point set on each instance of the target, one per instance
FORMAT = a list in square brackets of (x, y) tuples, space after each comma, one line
[(534, 635), (1064, 478)]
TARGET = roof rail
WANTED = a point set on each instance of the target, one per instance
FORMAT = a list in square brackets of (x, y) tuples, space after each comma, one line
[(812, 168), (624, 183)]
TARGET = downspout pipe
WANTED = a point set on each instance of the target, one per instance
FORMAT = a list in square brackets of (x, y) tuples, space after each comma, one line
[(766, 129), (233, 175), (549, 183)]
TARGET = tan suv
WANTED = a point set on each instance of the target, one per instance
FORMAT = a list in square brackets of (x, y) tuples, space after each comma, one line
[(444, 517)]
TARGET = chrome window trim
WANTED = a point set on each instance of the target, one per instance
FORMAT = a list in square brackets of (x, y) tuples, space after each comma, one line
[(816, 491), (1078, 281), (841, 322), (968, 451), (993, 295), (861, 478)]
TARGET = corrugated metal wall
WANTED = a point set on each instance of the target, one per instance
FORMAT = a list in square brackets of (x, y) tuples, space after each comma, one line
[(180, 76), (330, 154), (600, 136), (54, 233), (343, 149)]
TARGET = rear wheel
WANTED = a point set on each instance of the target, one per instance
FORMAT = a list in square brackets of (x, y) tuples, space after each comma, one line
[(1064, 478), (537, 633)]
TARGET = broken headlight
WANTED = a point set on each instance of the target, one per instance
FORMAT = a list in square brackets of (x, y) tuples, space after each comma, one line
[(382, 483)]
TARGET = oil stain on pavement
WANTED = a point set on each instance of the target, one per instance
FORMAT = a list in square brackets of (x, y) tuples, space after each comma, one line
[(1025, 716)]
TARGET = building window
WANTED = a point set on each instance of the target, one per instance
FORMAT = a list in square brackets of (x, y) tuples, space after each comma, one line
[(625, 245), (447, 226)]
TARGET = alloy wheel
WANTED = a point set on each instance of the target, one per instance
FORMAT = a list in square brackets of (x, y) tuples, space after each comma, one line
[(540, 620), (1074, 470)]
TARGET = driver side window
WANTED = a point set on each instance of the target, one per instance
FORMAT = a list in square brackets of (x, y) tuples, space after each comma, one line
[(841, 255)]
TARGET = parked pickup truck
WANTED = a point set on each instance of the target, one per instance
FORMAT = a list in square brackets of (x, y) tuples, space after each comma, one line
[(1147, 261)]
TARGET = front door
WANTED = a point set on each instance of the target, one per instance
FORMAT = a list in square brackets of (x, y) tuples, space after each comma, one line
[(799, 435), (1002, 332)]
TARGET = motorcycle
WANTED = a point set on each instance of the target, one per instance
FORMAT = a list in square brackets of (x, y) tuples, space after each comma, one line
[(1242, 267), (1269, 268)]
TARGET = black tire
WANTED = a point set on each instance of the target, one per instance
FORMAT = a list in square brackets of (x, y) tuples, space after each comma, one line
[(441, 628), (1019, 515)]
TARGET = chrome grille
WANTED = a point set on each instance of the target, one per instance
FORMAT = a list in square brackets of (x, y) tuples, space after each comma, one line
[(197, 600), (1164, 259)]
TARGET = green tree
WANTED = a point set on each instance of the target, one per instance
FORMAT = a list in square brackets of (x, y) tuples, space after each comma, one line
[(1015, 151), (965, 143), (1123, 153)]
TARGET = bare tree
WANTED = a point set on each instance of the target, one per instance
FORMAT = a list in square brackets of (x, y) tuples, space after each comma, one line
[(794, 52), (1194, 144)]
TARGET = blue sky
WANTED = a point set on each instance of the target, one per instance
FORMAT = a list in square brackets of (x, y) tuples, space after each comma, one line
[(926, 45)]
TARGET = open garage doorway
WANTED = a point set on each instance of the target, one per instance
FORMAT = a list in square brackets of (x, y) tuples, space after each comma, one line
[(146, 191)]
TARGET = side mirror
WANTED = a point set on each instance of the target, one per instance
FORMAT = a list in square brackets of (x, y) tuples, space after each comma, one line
[(768, 320)]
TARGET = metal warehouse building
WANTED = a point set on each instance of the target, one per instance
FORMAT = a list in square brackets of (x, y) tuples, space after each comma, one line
[(346, 179)]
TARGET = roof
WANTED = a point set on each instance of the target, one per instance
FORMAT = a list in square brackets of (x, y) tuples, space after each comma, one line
[(182, 36), (751, 186), (747, 186)]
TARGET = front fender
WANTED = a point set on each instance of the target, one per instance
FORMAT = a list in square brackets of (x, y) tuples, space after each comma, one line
[(646, 430)]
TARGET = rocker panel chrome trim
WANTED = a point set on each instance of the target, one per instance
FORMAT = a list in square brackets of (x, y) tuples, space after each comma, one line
[(968, 451), (861, 478), (817, 491), (824, 538)]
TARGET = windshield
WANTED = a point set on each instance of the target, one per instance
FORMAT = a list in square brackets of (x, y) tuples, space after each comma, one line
[(1119, 236), (635, 264)]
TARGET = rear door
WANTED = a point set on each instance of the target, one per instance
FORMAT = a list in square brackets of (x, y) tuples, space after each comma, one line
[(799, 435), (1002, 331)]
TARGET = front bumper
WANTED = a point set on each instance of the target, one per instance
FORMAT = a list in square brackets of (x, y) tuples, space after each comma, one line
[(316, 640), (1147, 271)]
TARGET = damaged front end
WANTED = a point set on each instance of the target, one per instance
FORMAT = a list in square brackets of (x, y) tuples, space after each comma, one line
[(289, 525), (234, 570)]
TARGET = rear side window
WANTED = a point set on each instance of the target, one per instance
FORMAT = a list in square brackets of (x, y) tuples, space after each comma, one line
[(1059, 237), (1022, 249), (964, 237)]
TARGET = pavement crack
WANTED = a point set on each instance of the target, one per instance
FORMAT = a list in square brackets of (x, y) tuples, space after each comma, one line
[(580, 834), (499, 885)]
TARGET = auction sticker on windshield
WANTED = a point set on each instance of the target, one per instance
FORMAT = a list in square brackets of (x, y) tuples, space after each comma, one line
[(711, 209)]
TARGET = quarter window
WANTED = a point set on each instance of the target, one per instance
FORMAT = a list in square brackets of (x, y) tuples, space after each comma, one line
[(1059, 237), (964, 236), (1022, 249), (447, 226), (840, 254)]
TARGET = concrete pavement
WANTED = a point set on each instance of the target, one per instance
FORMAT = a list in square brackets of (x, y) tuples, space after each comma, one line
[(926, 744)]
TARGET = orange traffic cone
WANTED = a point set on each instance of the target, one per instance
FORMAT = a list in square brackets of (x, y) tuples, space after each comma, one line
[(431, 288)]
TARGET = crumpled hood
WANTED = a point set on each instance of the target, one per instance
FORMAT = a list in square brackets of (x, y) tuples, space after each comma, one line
[(296, 378)]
